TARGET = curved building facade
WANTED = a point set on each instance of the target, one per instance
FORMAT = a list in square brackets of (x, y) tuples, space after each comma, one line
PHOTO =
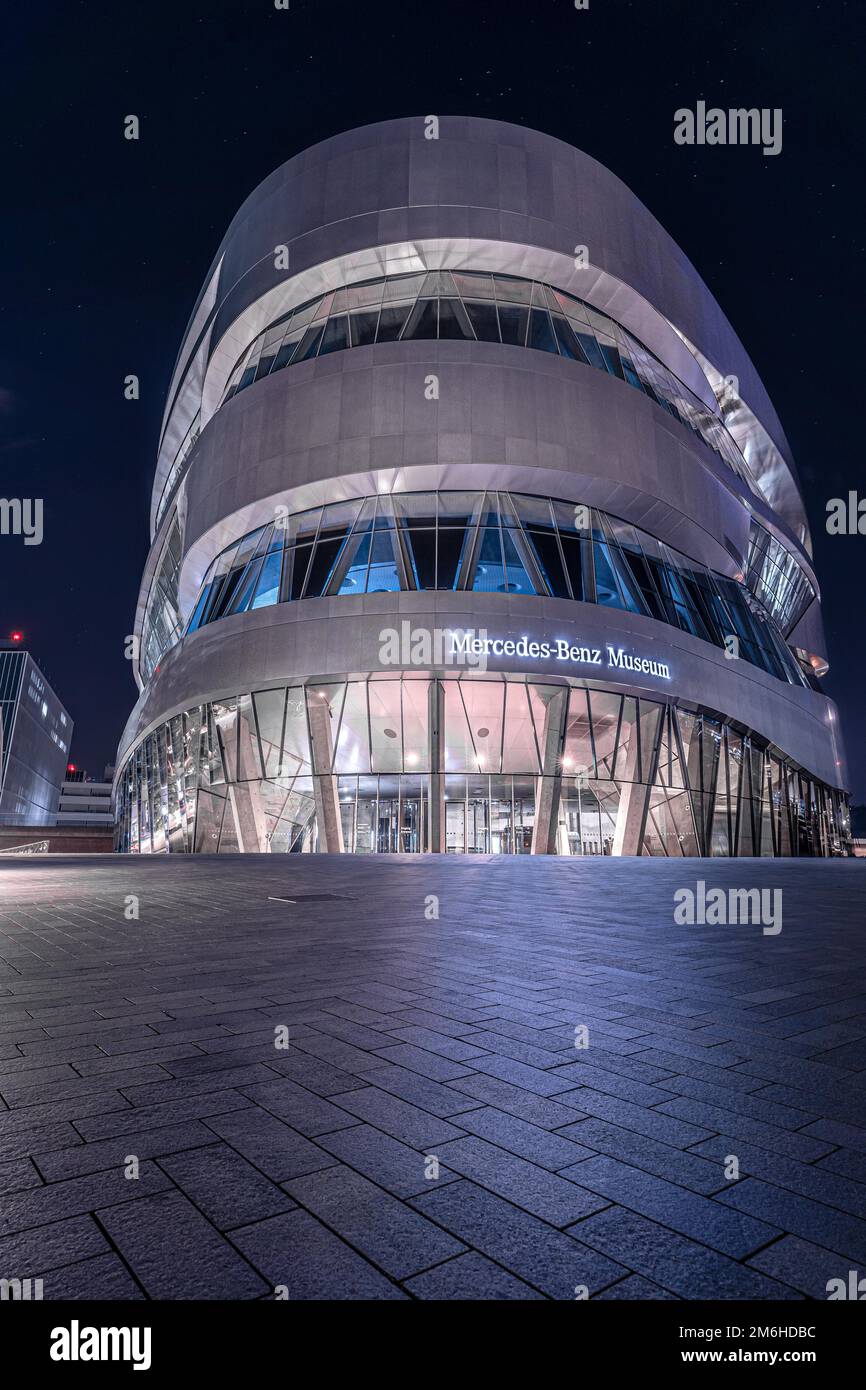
[(473, 529)]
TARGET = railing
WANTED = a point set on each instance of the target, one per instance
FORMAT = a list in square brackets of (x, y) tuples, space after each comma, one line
[(34, 847)]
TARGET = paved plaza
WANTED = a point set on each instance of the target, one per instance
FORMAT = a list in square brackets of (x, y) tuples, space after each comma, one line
[(357, 1078)]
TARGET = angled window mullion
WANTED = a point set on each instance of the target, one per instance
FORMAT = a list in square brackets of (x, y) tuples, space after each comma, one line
[(561, 550), (403, 548), (469, 549), (343, 557), (338, 723), (524, 547)]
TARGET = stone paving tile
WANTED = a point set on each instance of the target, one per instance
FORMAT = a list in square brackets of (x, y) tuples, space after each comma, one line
[(526, 1140), (124, 1121), (845, 1162), (688, 1213), (796, 1145), (398, 1168), (551, 1261), (541, 1083), (308, 1113), (432, 1096), (82, 1159), (397, 1117), (680, 1265), (31, 1253), (653, 1123), (76, 1196), (828, 1132), (636, 1289), (300, 1254), (526, 1105), (105, 1276), (610, 1083), (454, 1047), (385, 1230), (681, 1166), (806, 1267), (269, 1143), (534, 1189), (174, 1252), (559, 1168), (224, 1186), (800, 1216), (808, 1180), (470, 1278), (424, 1063), (18, 1174)]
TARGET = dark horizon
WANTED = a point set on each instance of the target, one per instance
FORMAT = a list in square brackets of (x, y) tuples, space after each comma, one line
[(109, 241)]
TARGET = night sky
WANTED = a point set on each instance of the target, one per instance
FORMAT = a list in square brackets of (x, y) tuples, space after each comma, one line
[(107, 241)]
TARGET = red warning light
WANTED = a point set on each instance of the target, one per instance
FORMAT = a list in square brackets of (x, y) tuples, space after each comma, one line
[(70, 767), (17, 636)]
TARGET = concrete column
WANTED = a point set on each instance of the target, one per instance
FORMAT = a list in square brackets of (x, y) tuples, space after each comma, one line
[(630, 818), (436, 745), (549, 785), (245, 797), (324, 782), (631, 811)]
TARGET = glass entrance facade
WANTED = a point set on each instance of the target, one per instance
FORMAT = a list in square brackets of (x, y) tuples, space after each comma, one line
[(466, 765)]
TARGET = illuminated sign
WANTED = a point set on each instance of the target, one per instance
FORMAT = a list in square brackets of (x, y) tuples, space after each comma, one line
[(607, 657), (442, 646)]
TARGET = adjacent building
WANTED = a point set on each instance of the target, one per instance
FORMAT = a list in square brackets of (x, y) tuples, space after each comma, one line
[(84, 802), (473, 530), (36, 733)]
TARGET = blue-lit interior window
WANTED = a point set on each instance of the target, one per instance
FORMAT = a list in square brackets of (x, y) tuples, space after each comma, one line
[(486, 542)]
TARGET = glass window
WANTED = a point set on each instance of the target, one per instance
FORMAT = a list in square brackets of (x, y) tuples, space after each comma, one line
[(484, 321), (384, 573), (512, 289), (268, 587), (437, 282), (362, 295), (422, 320), (591, 349), (458, 508), (353, 744), (391, 321), (422, 552), (309, 344), (474, 285), (336, 335), (541, 336), (402, 287), (513, 322), (518, 580), (295, 570), (363, 327), (453, 320), (415, 721), (489, 575), (519, 746), (416, 508), (386, 726), (549, 561), (286, 350), (567, 339), (244, 592), (578, 759), (324, 565)]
